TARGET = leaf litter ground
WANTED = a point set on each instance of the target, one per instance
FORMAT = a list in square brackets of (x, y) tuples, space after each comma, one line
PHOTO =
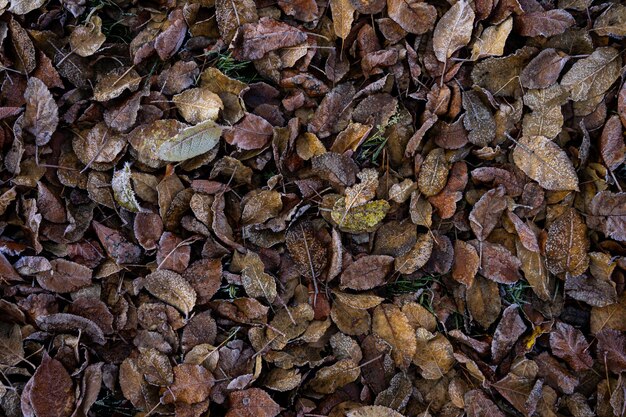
[(312, 208)]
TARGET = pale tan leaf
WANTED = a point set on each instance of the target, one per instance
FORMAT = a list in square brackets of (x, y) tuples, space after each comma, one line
[(545, 162), (343, 15), (86, 39), (190, 142), (434, 354), (567, 244), (453, 31), (491, 42), (198, 105), (592, 76), (172, 288), (392, 325)]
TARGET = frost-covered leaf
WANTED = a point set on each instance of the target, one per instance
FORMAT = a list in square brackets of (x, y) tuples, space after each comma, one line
[(190, 142), (123, 190)]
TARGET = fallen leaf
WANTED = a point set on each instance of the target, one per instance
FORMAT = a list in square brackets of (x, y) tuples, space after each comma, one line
[(363, 218), (123, 190), (69, 323), (367, 272), (115, 83), (192, 384), (478, 120), (197, 105), (487, 212), (492, 40), (328, 379), (592, 76), (545, 162), (543, 70), (608, 214), (86, 39), (413, 16), (41, 116), (544, 23), (433, 355), (373, 411), (252, 132), (433, 175), (466, 263), (190, 142), (390, 324), (569, 344), (612, 144), (567, 244), (611, 21), (254, 40), (343, 16), (453, 30), (52, 390), (483, 301), (253, 402), (510, 328), (172, 288)]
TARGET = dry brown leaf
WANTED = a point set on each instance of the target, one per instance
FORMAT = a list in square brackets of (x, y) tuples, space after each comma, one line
[(41, 116), (483, 301), (343, 16), (612, 144), (433, 174), (453, 30), (327, 380), (391, 324), (172, 288), (413, 16), (52, 389), (466, 263), (197, 105), (255, 280), (544, 23), (592, 76), (543, 71), (192, 384), (570, 344), (545, 162), (367, 272), (252, 132), (433, 355), (567, 244), (253, 402), (492, 40), (373, 411), (254, 40), (417, 256), (86, 39), (478, 119), (487, 212)]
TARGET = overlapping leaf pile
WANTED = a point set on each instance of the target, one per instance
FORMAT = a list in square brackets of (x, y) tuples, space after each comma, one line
[(358, 208)]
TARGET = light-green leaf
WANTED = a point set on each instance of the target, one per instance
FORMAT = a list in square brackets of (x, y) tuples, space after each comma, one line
[(191, 142)]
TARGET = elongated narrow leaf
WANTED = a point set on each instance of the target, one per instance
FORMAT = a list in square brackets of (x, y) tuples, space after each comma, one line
[(191, 142)]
